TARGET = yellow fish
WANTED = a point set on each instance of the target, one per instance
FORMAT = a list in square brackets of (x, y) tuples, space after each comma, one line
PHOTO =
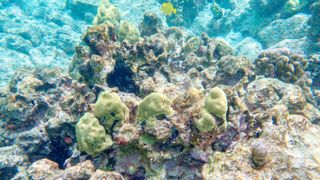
[(167, 8)]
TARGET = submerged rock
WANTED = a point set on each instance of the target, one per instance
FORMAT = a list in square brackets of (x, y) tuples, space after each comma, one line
[(46, 169), (284, 141), (314, 31), (292, 28), (82, 8)]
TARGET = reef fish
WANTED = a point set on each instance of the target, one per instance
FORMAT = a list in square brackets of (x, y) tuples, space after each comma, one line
[(168, 8)]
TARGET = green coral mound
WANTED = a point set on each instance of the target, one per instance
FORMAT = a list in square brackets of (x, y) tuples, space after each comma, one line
[(128, 32), (155, 104), (91, 136), (110, 109), (206, 123), (216, 105)]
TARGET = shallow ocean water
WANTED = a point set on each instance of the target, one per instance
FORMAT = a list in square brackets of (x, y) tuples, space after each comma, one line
[(159, 89)]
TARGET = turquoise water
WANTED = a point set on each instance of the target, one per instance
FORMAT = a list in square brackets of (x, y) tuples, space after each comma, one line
[(47, 35), (58, 56)]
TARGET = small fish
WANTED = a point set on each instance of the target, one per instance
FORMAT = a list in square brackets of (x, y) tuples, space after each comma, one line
[(168, 8)]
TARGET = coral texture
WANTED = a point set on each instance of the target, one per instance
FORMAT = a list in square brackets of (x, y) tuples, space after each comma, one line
[(151, 107), (111, 110), (91, 136)]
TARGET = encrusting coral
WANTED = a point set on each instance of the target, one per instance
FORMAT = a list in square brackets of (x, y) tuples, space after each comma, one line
[(91, 136), (216, 103)]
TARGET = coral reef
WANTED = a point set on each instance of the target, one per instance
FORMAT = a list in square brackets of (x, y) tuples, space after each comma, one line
[(165, 103), (179, 116), (284, 23), (41, 123)]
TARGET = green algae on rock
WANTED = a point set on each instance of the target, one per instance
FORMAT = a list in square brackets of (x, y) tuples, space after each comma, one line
[(91, 136), (152, 106)]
